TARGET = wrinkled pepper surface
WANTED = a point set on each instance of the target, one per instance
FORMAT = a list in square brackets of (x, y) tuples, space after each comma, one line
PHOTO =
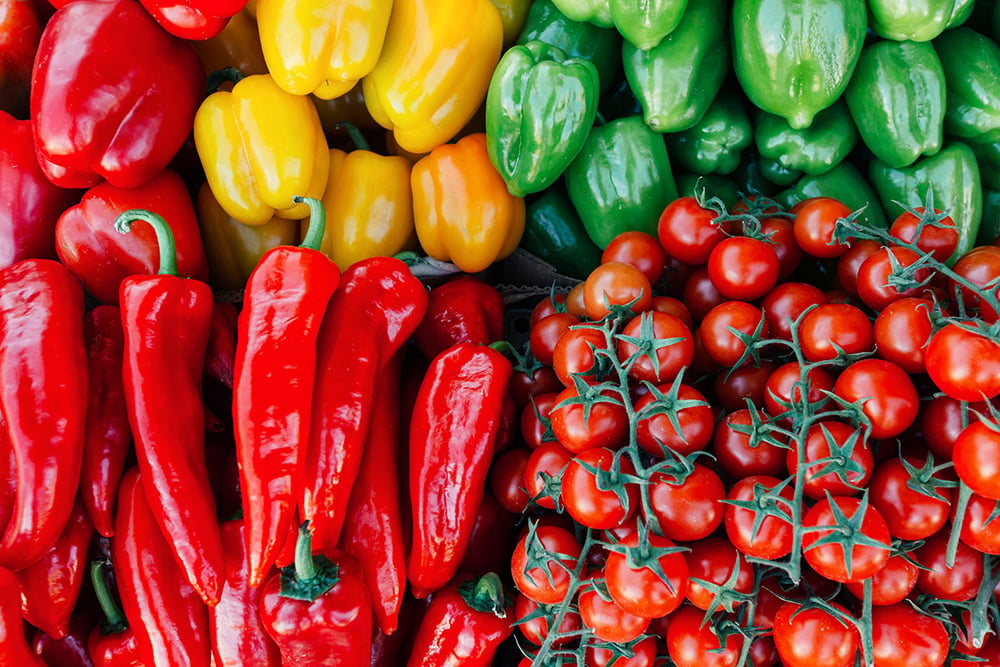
[(554, 233), (714, 145), (815, 149), (971, 63)]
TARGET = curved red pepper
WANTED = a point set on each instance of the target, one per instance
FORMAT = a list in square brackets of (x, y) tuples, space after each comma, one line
[(318, 610), (193, 19), (220, 357), (454, 424), (464, 624), (50, 587), (14, 648), (101, 258), (111, 642), (373, 313), (167, 321), (284, 303), (8, 477), (43, 393), (81, 134), (169, 619), (68, 651), (373, 529), (108, 434), (31, 203), (238, 635), (463, 310)]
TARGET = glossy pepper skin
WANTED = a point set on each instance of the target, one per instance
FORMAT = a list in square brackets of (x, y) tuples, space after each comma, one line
[(434, 69), (644, 23), (464, 624), (318, 611), (43, 394), (462, 209), (193, 19), (80, 137), (597, 12), (905, 20), (715, 144), (260, 147), (69, 650), (111, 642), (20, 31), (371, 316), (513, 14), (167, 320), (540, 107), (167, 615), (812, 150), (323, 48), (373, 527), (454, 425), (897, 98), (844, 183), (369, 205), (101, 258), (50, 586), (971, 63), (953, 175), (677, 80), (283, 307), (238, 635), (8, 468), (464, 309), (14, 648), (794, 58), (220, 355), (554, 233), (32, 204), (621, 180)]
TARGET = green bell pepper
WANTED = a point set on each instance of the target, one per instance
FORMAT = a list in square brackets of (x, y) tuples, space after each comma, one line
[(776, 172), (540, 107), (601, 46), (915, 20), (676, 80), (794, 58), (644, 23), (897, 100), (619, 102), (971, 64), (989, 229), (597, 12), (843, 183), (715, 143), (621, 180), (988, 157), (815, 149), (952, 174), (554, 233)]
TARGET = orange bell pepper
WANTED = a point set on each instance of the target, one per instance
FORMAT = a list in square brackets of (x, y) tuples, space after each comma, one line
[(462, 210)]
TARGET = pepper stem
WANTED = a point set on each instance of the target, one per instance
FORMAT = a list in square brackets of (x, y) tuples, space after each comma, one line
[(360, 143), (317, 222), (305, 567), (485, 594), (220, 76), (114, 618), (164, 236)]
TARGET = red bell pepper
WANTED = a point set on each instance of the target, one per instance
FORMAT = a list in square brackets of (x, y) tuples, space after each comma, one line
[(238, 635), (50, 587), (168, 617), (463, 310), (193, 19), (31, 203), (101, 258), (454, 424), (373, 528), (20, 31), (113, 95), (318, 610), (284, 303), (43, 395), (111, 642), (464, 624), (69, 650), (167, 321), (373, 313), (220, 357), (14, 647), (108, 434)]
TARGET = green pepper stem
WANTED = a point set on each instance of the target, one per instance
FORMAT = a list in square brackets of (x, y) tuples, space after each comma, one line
[(317, 222), (112, 612), (164, 236), (305, 567), (360, 143), (220, 76)]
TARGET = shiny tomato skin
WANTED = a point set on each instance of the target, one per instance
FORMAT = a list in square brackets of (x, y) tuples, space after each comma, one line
[(589, 505), (734, 387), (903, 637), (978, 530), (964, 364), (640, 591), (533, 582), (902, 330), (576, 353), (672, 306), (842, 324), (606, 619), (781, 395), (938, 240), (524, 384), (743, 268), (942, 420), (537, 629), (691, 644), (605, 426), (829, 560), (961, 581), (546, 334), (654, 431), (785, 303), (535, 425), (700, 294), (735, 455), (817, 449), (889, 397), (717, 327), (781, 235), (507, 479), (814, 225), (979, 266), (891, 584), (668, 360), (773, 538), (691, 510), (643, 655), (910, 515), (976, 456), (850, 263), (641, 250), (813, 637), (873, 276), (542, 473), (714, 559), (688, 231), (616, 283)]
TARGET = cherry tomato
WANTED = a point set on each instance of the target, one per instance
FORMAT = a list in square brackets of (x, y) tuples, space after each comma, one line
[(543, 473), (663, 343), (980, 266), (976, 456), (524, 384), (903, 637), (938, 238), (530, 578), (964, 364), (814, 225), (979, 530), (507, 479), (781, 234), (606, 619), (546, 334), (655, 430), (550, 305), (885, 391), (783, 389), (835, 325), (672, 306), (690, 510), (910, 514), (852, 453), (874, 285), (850, 263), (734, 387), (536, 427), (813, 637), (773, 538), (942, 419), (700, 294), (575, 302), (693, 644), (589, 497), (718, 326), (902, 330), (536, 629), (688, 231), (891, 584), (784, 305), (616, 284), (643, 655), (641, 250), (961, 581), (606, 425), (740, 457), (576, 353), (743, 268), (714, 560), (989, 655), (829, 560), (639, 590)]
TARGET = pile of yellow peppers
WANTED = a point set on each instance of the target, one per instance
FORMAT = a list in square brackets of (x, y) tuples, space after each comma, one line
[(313, 83)]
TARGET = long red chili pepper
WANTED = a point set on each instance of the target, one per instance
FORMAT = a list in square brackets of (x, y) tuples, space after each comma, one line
[(14, 648), (111, 643), (43, 396), (373, 529), (108, 434), (285, 300), (168, 617), (50, 586), (238, 635), (454, 424), (167, 320), (373, 313)]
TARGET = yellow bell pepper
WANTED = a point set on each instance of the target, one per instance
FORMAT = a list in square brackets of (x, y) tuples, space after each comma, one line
[(434, 70), (369, 208), (461, 207), (260, 146), (238, 45), (232, 248), (321, 47)]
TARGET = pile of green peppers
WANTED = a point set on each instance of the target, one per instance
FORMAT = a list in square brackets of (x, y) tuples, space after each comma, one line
[(606, 110)]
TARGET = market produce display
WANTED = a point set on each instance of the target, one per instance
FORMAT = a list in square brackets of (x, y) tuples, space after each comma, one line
[(276, 387)]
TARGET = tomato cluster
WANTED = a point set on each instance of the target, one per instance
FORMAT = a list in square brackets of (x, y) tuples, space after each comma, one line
[(728, 464)]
